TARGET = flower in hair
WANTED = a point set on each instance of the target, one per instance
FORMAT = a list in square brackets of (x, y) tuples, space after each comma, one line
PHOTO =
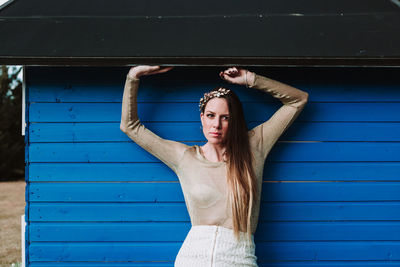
[(207, 96)]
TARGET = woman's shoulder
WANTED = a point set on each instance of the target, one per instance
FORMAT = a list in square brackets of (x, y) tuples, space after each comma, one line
[(190, 150)]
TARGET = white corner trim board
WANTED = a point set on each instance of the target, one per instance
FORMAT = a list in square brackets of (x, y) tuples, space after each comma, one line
[(23, 227), (23, 101)]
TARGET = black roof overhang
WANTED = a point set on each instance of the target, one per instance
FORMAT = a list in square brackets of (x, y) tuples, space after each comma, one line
[(260, 33)]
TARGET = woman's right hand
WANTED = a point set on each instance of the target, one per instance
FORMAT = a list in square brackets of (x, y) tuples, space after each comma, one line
[(137, 71)]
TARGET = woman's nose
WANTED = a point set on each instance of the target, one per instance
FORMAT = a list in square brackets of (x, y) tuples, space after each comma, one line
[(217, 123)]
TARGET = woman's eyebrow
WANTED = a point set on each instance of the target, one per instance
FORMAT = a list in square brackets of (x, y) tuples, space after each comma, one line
[(212, 112)]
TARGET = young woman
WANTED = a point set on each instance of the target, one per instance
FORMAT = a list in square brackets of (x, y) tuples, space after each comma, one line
[(221, 180)]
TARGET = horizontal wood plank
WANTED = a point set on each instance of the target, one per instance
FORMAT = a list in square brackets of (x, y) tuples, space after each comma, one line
[(99, 263), (111, 112), (282, 151), (265, 264), (190, 131), (158, 171), (150, 212), (176, 231), (189, 89), (268, 251), (172, 192)]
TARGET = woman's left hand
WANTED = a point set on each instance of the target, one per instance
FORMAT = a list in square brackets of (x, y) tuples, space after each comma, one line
[(238, 76)]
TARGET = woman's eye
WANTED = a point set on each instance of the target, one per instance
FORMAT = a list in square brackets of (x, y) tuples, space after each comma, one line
[(210, 115), (226, 118)]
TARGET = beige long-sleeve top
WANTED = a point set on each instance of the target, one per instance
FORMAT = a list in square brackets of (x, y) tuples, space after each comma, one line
[(203, 182)]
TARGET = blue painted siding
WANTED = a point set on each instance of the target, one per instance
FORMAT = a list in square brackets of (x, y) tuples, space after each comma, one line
[(331, 191)]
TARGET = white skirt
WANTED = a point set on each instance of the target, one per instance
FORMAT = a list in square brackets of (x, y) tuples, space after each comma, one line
[(216, 246)]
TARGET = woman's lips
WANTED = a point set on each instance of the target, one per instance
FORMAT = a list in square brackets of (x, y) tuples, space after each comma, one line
[(215, 134)]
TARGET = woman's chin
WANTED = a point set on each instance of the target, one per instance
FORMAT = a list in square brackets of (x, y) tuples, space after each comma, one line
[(214, 141)]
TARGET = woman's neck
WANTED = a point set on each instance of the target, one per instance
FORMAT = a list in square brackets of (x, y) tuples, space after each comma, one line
[(214, 153)]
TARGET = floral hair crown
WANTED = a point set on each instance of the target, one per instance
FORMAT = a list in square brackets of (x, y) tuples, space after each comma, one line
[(207, 96)]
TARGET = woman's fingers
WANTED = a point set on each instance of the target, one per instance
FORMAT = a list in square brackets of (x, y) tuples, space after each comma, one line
[(234, 75), (154, 68), (165, 69), (227, 77), (232, 71), (141, 70), (159, 69)]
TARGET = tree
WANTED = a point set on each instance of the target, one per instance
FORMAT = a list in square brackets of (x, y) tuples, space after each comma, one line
[(12, 152)]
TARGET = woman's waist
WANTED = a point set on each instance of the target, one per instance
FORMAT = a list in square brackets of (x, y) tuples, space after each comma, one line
[(212, 231)]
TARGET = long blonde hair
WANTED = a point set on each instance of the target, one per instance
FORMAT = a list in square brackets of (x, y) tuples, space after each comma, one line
[(242, 186)]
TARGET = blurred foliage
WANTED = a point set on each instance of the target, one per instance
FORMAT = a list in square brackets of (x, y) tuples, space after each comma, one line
[(12, 144)]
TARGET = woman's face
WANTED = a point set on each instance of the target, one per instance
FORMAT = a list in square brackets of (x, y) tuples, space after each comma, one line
[(215, 120)]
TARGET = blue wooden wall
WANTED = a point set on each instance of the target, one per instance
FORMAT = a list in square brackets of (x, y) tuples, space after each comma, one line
[(331, 186)]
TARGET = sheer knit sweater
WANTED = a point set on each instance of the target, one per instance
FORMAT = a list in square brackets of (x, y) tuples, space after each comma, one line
[(204, 184)]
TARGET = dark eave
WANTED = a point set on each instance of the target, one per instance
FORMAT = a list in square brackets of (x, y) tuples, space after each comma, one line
[(263, 33)]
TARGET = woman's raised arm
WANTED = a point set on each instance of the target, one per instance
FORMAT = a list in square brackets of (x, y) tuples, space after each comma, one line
[(167, 151), (294, 100)]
